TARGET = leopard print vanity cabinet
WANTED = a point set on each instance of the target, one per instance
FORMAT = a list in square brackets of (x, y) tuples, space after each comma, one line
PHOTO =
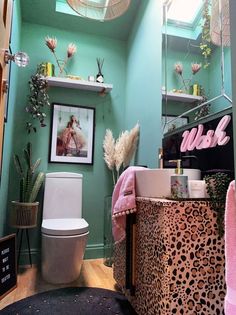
[(178, 259)]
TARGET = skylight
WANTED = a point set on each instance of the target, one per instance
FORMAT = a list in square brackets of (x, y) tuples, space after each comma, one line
[(184, 11)]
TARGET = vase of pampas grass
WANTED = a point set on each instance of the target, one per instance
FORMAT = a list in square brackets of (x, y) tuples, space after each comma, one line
[(117, 155)]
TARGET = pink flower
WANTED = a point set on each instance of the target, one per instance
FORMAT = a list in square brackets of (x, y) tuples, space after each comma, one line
[(179, 68), (71, 50), (196, 67), (51, 43)]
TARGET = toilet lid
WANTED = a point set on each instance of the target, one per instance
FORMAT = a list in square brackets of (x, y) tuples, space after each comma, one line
[(64, 226)]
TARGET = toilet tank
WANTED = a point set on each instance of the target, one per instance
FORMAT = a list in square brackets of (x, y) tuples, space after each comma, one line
[(62, 196)]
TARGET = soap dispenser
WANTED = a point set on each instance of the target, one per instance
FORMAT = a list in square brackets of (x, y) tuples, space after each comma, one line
[(179, 182)]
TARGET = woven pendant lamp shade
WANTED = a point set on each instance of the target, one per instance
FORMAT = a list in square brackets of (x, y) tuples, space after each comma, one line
[(101, 10), (220, 7)]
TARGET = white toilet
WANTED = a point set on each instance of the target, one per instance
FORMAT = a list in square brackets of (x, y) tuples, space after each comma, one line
[(64, 232)]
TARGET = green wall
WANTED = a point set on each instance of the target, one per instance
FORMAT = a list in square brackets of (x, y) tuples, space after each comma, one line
[(9, 125), (170, 79), (143, 91), (209, 78), (109, 114), (174, 81), (215, 80)]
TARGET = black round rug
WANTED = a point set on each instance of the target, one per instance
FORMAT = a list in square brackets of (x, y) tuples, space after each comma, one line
[(72, 301)]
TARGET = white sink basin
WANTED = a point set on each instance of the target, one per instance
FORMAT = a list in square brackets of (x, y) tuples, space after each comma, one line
[(155, 183)]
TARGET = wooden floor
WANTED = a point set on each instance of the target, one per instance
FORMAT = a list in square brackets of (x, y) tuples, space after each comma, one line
[(93, 274)]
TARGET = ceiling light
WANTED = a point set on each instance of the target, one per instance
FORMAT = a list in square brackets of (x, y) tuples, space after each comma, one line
[(101, 10)]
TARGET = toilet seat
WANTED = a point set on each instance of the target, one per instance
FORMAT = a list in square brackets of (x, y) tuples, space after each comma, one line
[(62, 227)]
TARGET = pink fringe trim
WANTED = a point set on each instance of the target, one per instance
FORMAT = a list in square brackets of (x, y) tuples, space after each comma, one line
[(124, 213)]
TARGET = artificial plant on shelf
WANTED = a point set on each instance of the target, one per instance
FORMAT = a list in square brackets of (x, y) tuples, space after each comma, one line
[(179, 69), (51, 43), (37, 100), (217, 185), (118, 153)]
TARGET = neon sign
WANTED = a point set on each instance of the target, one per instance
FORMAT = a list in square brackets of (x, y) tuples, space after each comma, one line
[(195, 139)]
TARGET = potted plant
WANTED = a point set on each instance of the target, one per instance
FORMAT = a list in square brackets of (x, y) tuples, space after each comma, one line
[(37, 100), (217, 185), (24, 212)]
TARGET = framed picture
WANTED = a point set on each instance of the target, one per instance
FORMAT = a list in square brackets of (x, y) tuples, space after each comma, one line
[(168, 126), (8, 272), (72, 134)]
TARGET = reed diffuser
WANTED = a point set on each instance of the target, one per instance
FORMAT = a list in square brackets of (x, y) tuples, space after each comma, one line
[(99, 77)]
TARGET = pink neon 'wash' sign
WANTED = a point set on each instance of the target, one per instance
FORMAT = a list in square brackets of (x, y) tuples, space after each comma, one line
[(195, 139)]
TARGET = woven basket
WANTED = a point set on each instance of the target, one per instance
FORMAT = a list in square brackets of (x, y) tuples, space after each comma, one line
[(24, 214)]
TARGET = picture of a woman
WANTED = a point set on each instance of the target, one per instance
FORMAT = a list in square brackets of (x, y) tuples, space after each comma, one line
[(72, 138), (79, 138), (72, 134)]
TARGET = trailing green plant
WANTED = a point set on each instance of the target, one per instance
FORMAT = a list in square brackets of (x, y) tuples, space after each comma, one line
[(217, 185), (30, 182), (205, 109), (37, 99), (205, 45)]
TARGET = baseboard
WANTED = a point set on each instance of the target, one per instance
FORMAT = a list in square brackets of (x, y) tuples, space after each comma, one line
[(92, 251), (24, 256)]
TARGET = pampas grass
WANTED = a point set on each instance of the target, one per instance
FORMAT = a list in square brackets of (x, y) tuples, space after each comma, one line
[(119, 152), (131, 145), (109, 151), (120, 147)]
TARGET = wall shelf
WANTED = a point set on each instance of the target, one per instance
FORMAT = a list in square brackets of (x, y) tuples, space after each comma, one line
[(79, 84), (182, 97)]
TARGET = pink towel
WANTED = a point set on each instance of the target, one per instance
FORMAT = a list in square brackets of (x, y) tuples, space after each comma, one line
[(123, 201), (230, 250)]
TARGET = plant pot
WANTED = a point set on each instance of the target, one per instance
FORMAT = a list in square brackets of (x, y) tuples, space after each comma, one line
[(24, 214)]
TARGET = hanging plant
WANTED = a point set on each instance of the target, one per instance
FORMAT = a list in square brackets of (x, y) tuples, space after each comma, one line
[(37, 99), (205, 44), (217, 185)]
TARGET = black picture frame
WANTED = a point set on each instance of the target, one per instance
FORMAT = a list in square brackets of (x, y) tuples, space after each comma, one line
[(8, 266), (72, 134)]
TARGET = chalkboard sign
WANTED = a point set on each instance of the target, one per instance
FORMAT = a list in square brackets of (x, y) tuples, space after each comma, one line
[(8, 274)]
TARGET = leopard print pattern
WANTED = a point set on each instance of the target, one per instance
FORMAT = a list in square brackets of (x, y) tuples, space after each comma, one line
[(119, 266), (179, 259)]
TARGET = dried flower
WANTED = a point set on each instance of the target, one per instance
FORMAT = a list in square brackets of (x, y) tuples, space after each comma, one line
[(71, 50), (120, 147), (131, 145), (51, 43), (109, 152), (179, 68), (196, 67), (121, 151), (109, 149)]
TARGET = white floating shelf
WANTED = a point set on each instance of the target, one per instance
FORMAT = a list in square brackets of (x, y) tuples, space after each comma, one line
[(79, 84), (182, 97)]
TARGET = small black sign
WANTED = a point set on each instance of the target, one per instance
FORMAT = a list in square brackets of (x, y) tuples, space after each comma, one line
[(8, 274)]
